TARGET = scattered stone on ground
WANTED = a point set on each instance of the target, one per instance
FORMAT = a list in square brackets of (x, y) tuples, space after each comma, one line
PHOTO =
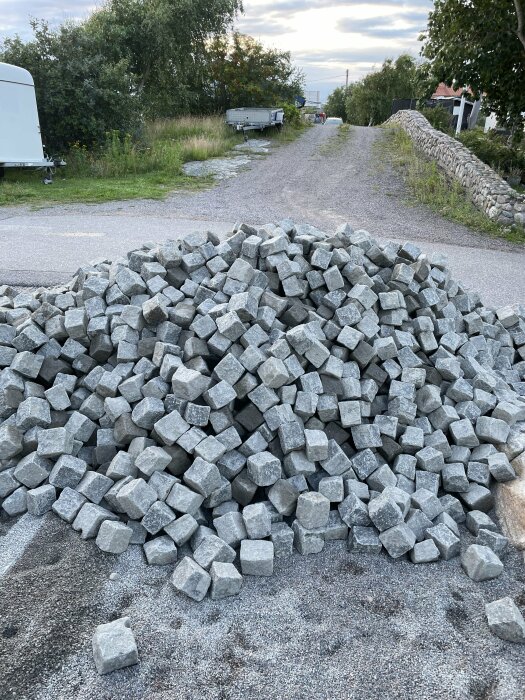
[(505, 620), (219, 168), (221, 402), (253, 146), (114, 646)]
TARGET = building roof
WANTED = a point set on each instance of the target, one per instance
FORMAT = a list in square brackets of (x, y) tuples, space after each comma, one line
[(443, 90)]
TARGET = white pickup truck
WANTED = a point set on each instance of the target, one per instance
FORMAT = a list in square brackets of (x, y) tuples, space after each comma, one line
[(20, 139)]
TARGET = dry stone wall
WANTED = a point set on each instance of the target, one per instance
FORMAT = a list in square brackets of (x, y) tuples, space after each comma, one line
[(487, 190)]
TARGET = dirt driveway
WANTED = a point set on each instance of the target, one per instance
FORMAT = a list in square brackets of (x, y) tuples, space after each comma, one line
[(319, 179)]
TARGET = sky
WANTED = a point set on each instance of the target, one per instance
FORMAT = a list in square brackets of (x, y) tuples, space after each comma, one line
[(325, 37)]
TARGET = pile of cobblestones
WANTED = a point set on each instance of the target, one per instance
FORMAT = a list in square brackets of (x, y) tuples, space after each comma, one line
[(222, 402)]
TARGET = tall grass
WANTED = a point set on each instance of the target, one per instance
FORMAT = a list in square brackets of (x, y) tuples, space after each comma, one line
[(162, 148)]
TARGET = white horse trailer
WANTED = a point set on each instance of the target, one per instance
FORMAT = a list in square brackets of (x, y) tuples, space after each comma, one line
[(20, 139)]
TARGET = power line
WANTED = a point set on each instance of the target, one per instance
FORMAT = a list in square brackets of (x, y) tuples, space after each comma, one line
[(330, 77)]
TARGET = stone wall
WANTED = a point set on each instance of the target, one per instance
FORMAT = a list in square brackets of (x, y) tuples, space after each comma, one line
[(487, 190)]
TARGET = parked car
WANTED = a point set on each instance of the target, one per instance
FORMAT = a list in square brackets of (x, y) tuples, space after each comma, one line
[(334, 120)]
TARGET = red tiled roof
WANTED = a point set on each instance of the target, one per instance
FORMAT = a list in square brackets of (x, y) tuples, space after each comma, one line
[(443, 90)]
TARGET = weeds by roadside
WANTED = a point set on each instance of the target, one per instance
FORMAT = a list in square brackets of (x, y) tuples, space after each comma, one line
[(336, 142), (428, 185), (148, 167)]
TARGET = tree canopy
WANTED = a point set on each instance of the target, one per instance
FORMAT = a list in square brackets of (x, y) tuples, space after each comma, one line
[(335, 105), (370, 100), (165, 44), (242, 72), (80, 94), (480, 44)]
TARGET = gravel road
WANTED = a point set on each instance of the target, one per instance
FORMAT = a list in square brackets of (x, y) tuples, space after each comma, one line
[(320, 179), (333, 625)]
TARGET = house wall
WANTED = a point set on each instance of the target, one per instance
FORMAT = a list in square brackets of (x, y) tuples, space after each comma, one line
[(487, 190)]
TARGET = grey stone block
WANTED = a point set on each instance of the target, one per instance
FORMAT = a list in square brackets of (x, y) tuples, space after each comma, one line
[(191, 579), (397, 540), (32, 470), (68, 504), (54, 442), (158, 517), (505, 620), (225, 580), (231, 528), (203, 477), (445, 540), (481, 563), (113, 537), (282, 537), (312, 510), (160, 551), (114, 646), (424, 552), (41, 499), (352, 511), (476, 520), (384, 513), (364, 539), (500, 467), (213, 548), (181, 529), (256, 557), (264, 469), (89, 519), (94, 486), (184, 500), (135, 498), (493, 430), (257, 521), (16, 502), (496, 541), (332, 487), (68, 471)]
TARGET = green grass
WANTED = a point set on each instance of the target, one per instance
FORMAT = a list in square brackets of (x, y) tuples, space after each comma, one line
[(334, 144), (147, 168), (428, 185)]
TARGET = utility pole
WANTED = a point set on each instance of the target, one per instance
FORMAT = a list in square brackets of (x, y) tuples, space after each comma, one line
[(347, 78)]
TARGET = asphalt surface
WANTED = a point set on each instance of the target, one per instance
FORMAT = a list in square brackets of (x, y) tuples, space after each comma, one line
[(332, 625), (319, 179)]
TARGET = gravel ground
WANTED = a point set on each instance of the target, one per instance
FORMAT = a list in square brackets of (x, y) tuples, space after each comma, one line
[(329, 625)]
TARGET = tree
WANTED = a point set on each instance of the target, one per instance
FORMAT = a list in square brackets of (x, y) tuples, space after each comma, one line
[(80, 95), (370, 99), (335, 105), (480, 44), (165, 43), (242, 72)]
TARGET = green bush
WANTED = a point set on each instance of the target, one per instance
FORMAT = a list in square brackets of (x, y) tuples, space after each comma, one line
[(292, 116), (439, 118), (493, 150)]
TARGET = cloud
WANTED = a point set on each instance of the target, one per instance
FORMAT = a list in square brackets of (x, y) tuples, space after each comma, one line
[(15, 14), (291, 7), (255, 26), (395, 27)]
